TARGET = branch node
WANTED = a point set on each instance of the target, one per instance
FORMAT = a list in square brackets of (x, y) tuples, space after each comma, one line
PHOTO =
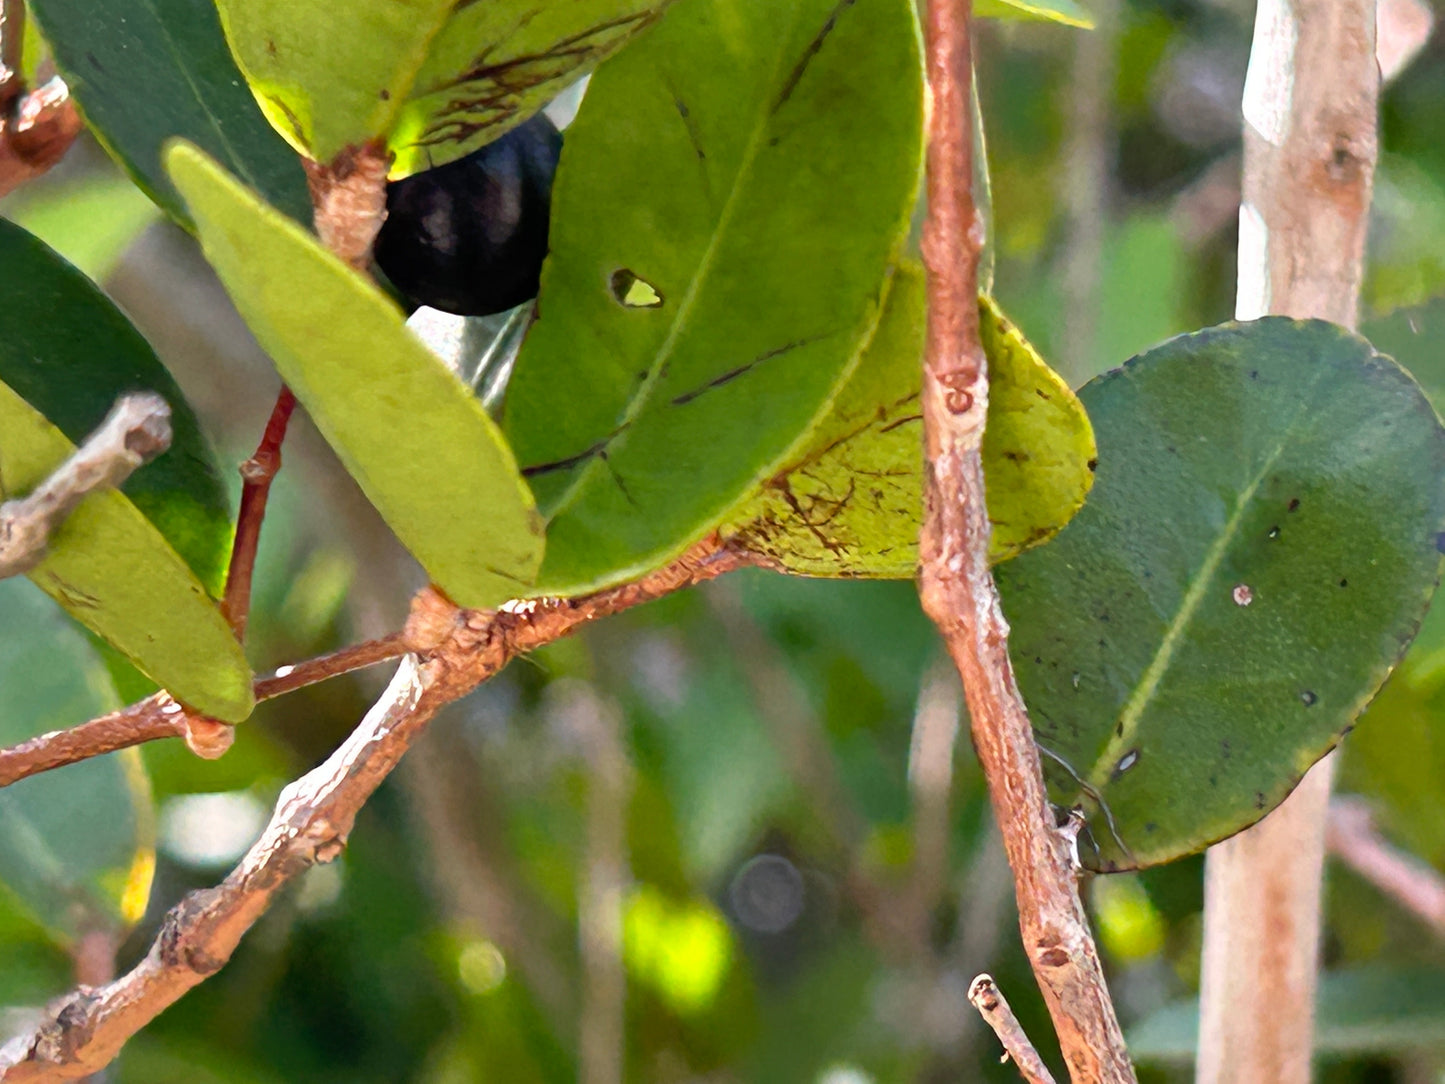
[(208, 738)]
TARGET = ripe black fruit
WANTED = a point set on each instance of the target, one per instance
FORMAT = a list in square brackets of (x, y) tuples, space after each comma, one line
[(469, 237)]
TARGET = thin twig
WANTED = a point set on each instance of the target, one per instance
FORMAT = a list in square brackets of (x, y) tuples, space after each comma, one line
[(1310, 145), (930, 778), (315, 814), (159, 716), (988, 999), (137, 429), (958, 591), (348, 196), (12, 53), (257, 474), (1352, 837)]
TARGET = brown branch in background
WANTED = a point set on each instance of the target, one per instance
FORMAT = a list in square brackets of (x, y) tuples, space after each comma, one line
[(35, 129), (1352, 837), (315, 814), (1310, 109), (257, 474), (988, 999), (159, 716), (957, 587), (137, 429)]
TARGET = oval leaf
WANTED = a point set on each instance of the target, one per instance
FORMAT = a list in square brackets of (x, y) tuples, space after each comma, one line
[(417, 441), (730, 197), (1258, 550), (66, 353), (329, 79), (851, 504), (70, 353), (495, 64), (76, 846), (144, 71)]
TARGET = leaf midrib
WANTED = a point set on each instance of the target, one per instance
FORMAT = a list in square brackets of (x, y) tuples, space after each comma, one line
[(1124, 734), (741, 179)]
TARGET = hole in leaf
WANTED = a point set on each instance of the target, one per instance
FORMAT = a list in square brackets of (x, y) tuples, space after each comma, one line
[(1127, 761), (1308, 698), (634, 292)]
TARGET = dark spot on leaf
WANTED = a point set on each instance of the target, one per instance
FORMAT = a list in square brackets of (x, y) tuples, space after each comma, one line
[(1040, 393), (633, 292), (1254, 374), (1150, 826), (1308, 698), (1224, 748), (1092, 464), (1260, 801), (1344, 583), (270, 48), (1119, 729), (94, 63), (1294, 504), (385, 95), (1039, 659), (1274, 532), (1017, 457)]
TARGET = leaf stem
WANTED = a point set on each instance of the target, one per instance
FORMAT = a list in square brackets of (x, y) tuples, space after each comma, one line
[(257, 474)]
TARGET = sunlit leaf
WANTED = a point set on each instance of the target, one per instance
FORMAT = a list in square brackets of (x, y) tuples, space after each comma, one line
[(145, 71), (1259, 548), (851, 503), (66, 353), (752, 166), (495, 64), (1067, 12), (413, 436), (76, 845)]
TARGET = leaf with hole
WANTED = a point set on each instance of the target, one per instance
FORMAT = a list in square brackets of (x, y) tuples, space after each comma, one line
[(495, 64), (851, 503), (1067, 12), (145, 71), (731, 195), (414, 437), (111, 564), (76, 845), (1259, 547)]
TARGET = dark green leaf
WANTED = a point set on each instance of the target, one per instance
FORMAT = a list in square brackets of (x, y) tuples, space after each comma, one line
[(495, 64), (1259, 548), (144, 71), (730, 196), (76, 846), (66, 354), (1364, 1010), (851, 504), (417, 441)]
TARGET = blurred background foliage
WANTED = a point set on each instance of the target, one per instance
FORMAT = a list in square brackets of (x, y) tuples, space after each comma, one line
[(697, 838)]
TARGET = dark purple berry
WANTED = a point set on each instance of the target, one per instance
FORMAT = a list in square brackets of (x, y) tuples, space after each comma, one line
[(469, 237)]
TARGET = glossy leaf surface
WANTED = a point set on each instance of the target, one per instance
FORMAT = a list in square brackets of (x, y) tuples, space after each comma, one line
[(1259, 548), (417, 441), (66, 354), (76, 845), (495, 64), (756, 163), (851, 504), (145, 71)]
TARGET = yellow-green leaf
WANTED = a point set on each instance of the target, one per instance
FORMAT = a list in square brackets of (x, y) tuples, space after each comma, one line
[(851, 504), (1067, 12), (418, 442), (116, 574)]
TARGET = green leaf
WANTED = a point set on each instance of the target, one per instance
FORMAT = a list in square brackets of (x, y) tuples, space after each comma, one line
[(730, 197), (1258, 550), (851, 503), (328, 78), (417, 441), (144, 71), (90, 222), (66, 354), (495, 64), (77, 845), (1054, 11), (1375, 1009)]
